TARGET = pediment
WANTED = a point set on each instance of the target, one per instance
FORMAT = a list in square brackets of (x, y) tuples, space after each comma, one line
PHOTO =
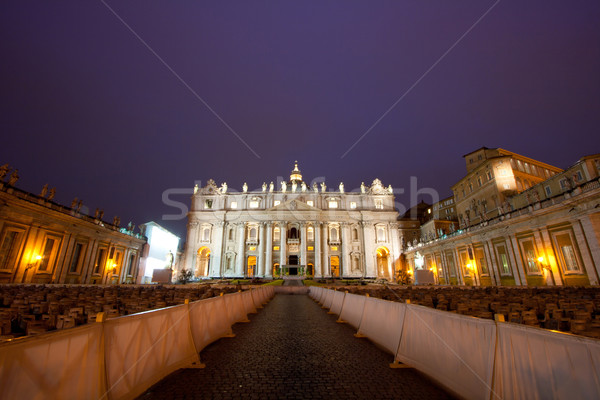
[(294, 205)]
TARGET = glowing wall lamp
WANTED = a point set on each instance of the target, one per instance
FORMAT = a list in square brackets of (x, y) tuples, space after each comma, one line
[(34, 260)]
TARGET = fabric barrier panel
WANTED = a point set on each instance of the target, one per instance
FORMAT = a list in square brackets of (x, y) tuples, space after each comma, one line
[(337, 302), (315, 292), (382, 322), (454, 349), (353, 308), (142, 349), (322, 296), (248, 302), (258, 297), (209, 321), (536, 364), (235, 308), (57, 365), (328, 299)]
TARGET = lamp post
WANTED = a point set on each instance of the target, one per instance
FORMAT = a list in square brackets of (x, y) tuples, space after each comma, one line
[(546, 268)]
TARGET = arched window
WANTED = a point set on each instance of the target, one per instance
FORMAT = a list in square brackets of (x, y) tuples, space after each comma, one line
[(311, 233), (206, 234), (354, 234), (230, 233), (381, 234), (276, 233), (252, 233), (293, 233), (334, 234)]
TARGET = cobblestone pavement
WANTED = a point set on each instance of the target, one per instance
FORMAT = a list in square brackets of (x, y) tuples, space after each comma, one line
[(292, 349)]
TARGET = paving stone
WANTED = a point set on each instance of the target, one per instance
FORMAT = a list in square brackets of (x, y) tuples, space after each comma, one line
[(292, 349)]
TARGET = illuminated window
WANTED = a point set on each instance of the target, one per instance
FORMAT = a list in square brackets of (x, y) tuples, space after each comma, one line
[(311, 233), (333, 248), (234, 204), (100, 260), (276, 202), (379, 204), (352, 204), (49, 254), (567, 253), (381, 237), (333, 204), (310, 248), (310, 203), (254, 204), (11, 244), (503, 259), (480, 257), (252, 233), (530, 257), (252, 248), (275, 247), (276, 233)]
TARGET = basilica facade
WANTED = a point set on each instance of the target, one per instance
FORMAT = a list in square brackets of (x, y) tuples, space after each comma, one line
[(293, 228)]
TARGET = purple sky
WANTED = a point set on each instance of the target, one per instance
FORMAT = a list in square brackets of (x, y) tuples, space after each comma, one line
[(89, 109)]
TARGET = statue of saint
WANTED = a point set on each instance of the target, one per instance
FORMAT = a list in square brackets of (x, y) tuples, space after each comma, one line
[(169, 259), (195, 188), (44, 190), (323, 187), (283, 186), (315, 188), (79, 205), (4, 171), (74, 203), (264, 187), (294, 186), (14, 177), (245, 187), (363, 188), (271, 186), (390, 189), (341, 187), (303, 187), (224, 187), (52, 193)]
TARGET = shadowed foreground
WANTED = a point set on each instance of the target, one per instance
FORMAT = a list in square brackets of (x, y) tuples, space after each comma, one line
[(292, 349)]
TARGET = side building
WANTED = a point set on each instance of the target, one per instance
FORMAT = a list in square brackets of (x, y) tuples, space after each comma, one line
[(546, 233), (294, 228), (44, 242)]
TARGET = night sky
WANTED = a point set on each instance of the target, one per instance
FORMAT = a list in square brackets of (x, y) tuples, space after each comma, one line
[(245, 88)]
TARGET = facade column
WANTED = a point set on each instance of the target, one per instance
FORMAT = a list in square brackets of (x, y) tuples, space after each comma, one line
[(261, 251), (216, 251), (519, 267), (345, 269), (317, 230), (585, 239), (368, 245), (493, 269), (303, 244), (269, 252), (396, 250), (241, 245), (282, 246), (190, 248), (325, 266), (459, 266)]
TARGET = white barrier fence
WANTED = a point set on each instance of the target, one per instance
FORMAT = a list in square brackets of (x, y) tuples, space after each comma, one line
[(475, 358), (121, 357)]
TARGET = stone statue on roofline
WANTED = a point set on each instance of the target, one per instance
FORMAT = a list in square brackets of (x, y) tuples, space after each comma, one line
[(271, 187), (363, 188), (14, 177), (4, 171), (323, 187), (315, 187), (294, 186), (44, 190), (303, 187), (264, 187), (52, 194), (283, 186), (245, 187), (224, 187), (341, 187)]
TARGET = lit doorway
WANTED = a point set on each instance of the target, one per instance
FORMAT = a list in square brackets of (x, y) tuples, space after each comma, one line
[(202, 262), (335, 266), (251, 269)]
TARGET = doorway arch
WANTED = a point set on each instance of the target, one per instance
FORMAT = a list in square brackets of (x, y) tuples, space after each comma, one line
[(383, 257), (251, 266), (202, 262)]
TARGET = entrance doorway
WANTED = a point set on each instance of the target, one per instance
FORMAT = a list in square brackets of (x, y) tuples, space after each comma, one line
[(292, 261), (251, 270), (335, 266)]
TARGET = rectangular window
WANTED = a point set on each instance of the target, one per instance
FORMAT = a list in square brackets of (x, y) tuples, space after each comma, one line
[(529, 256), (208, 204), (100, 261), (578, 176), (275, 248), (567, 253), (310, 203), (465, 263), (130, 265), (11, 245), (451, 265), (276, 203), (503, 260), (379, 204), (333, 204), (254, 204), (563, 184), (548, 190), (49, 254), (489, 175), (479, 182), (234, 204), (76, 258), (480, 257), (352, 204), (310, 248)]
